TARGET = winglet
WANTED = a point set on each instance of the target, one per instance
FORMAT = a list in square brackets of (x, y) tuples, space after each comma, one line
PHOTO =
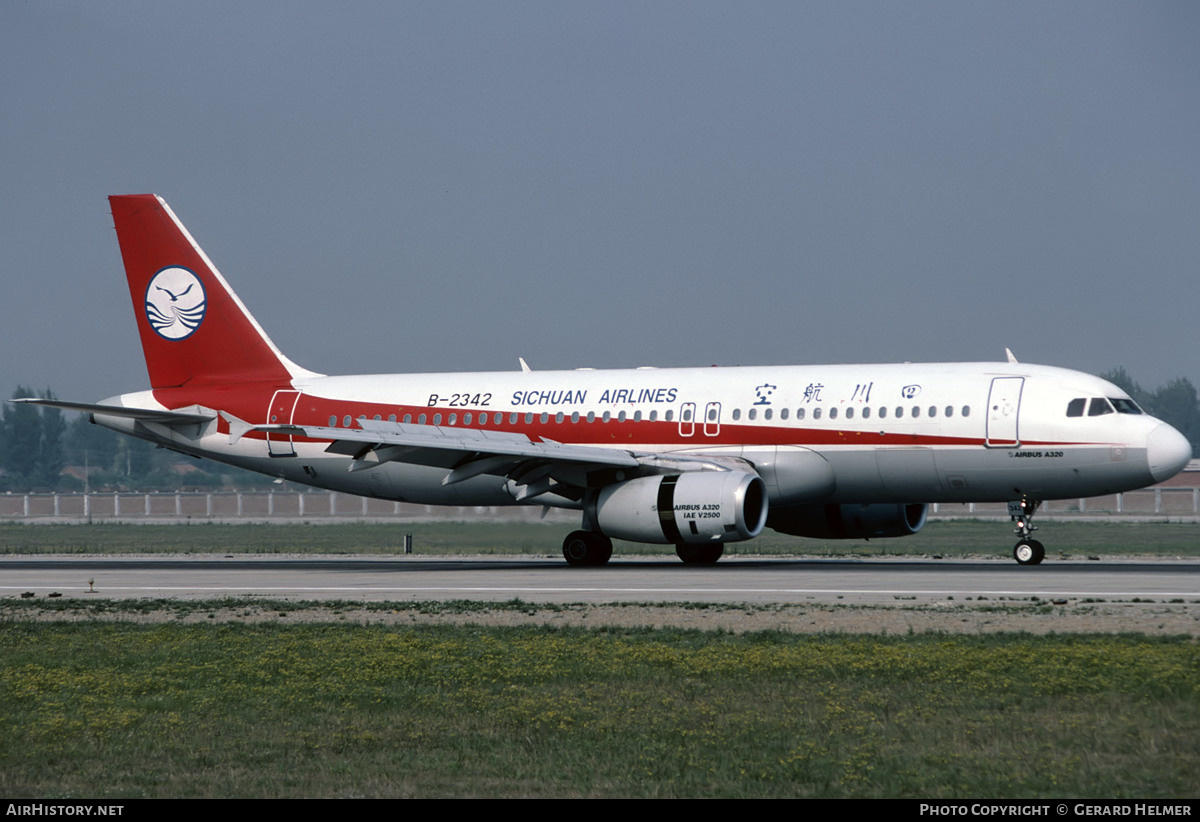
[(1008, 353), (524, 365)]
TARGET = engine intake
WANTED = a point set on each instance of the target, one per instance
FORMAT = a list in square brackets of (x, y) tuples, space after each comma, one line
[(695, 507)]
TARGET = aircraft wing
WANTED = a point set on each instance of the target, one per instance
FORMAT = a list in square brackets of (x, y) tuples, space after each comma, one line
[(535, 467)]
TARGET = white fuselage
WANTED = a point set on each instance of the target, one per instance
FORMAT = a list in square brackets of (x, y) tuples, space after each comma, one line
[(830, 433)]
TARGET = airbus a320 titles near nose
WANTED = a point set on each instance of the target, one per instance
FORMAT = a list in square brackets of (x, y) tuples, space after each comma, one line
[(690, 457)]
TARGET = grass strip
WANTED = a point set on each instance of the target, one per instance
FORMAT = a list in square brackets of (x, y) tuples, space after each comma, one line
[(105, 709)]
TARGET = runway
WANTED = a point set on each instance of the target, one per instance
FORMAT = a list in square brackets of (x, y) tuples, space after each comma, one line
[(549, 580)]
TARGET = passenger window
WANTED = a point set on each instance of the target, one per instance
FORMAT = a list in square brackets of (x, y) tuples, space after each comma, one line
[(849, 413), (453, 419), (916, 412), (949, 410), (437, 419), (1075, 407), (467, 418), (966, 411), (346, 421), (883, 412), (621, 416), (899, 411), (558, 417), (637, 416), (408, 418), (333, 422), (799, 413), (528, 417), (767, 414), (653, 416), (753, 413), (737, 413), (607, 416), (391, 417), (783, 413), (933, 410), (816, 413), (421, 419), (866, 413), (670, 415), (574, 416), (591, 417), (833, 413)]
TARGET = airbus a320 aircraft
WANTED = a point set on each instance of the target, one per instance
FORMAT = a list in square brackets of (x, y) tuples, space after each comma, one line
[(690, 457)]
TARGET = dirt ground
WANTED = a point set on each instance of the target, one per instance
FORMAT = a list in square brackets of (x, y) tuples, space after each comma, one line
[(1151, 618)]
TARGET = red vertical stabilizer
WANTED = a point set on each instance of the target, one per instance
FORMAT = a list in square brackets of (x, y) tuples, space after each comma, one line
[(194, 329)]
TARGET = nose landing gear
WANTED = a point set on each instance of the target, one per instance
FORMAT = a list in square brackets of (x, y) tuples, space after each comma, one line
[(1028, 551)]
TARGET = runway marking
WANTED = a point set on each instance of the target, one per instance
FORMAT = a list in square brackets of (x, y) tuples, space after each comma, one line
[(603, 590)]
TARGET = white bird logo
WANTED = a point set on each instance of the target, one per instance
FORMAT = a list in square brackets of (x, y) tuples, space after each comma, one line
[(175, 303)]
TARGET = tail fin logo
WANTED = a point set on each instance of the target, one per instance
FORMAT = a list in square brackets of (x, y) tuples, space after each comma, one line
[(175, 303)]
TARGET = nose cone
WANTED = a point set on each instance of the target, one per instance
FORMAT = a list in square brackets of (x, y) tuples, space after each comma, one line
[(1167, 452)]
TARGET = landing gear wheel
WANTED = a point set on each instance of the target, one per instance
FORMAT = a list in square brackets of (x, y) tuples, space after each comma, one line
[(1029, 552), (584, 548), (699, 554)]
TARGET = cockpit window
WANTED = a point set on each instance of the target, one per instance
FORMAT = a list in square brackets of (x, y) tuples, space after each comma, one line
[(1099, 406), (1124, 406), (1075, 407)]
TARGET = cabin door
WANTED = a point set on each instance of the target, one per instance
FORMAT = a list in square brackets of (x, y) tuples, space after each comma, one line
[(283, 404), (1004, 406)]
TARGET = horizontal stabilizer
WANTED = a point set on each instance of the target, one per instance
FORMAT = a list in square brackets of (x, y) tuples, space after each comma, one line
[(161, 416)]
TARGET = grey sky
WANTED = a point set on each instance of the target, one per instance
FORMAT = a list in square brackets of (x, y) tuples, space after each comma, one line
[(447, 186)]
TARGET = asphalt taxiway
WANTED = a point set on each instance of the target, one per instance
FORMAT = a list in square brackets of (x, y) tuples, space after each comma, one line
[(638, 579)]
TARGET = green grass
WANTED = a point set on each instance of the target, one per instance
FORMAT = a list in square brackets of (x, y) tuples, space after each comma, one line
[(335, 710), (947, 538), (113, 709)]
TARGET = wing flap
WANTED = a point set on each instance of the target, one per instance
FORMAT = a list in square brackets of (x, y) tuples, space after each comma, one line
[(411, 439)]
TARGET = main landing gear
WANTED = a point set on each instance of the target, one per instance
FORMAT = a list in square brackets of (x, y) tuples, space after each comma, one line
[(1028, 551), (584, 548), (706, 554)]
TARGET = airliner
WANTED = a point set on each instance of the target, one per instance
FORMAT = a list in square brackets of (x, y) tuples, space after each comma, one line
[(690, 457)]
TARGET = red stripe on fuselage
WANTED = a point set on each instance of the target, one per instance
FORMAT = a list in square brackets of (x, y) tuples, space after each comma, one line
[(251, 401)]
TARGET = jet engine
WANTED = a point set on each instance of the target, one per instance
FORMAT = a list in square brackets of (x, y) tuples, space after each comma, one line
[(694, 507), (849, 521)]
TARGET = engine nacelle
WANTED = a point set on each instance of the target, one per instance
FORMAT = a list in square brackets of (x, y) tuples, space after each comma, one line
[(849, 521), (694, 507)]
